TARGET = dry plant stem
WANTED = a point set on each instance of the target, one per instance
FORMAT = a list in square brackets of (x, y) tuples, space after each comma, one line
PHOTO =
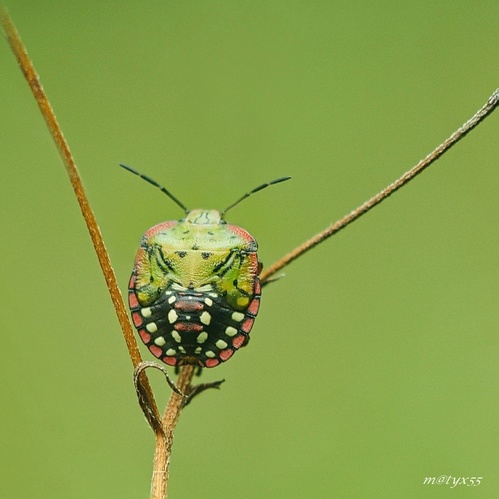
[(486, 110), (164, 441), (56, 132), (164, 436)]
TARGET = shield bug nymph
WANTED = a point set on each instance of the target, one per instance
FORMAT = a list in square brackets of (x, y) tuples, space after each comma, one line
[(194, 291)]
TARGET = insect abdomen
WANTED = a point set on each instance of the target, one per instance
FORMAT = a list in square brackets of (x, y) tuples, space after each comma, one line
[(189, 327)]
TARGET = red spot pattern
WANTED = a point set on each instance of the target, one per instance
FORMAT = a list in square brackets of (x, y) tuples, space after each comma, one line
[(247, 325), (211, 362), (188, 306), (238, 341), (171, 361), (226, 354), (156, 351), (145, 336), (137, 319), (188, 327), (254, 306), (132, 300)]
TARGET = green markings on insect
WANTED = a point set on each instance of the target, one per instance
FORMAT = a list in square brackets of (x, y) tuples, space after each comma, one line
[(194, 292)]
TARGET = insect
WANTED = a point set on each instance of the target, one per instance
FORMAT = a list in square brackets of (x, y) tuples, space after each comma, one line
[(194, 291)]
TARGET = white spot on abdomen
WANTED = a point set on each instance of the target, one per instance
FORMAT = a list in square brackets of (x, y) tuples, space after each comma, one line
[(202, 337), (231, 331), (160, 341), (221, 344), (172, 316), (205, 318), (237, 316), (151, 327)]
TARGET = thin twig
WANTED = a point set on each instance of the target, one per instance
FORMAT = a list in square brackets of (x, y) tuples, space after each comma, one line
[(55, 130), (480, 115)]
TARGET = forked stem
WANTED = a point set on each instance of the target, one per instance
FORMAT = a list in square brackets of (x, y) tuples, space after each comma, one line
[(480, 115)]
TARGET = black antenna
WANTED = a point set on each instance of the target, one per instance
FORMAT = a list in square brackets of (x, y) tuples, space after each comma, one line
[(153, 182), (256, 189)]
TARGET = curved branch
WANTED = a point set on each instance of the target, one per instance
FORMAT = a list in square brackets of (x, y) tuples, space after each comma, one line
[(55, 130)]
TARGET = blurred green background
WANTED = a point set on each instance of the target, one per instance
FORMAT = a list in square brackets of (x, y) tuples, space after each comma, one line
[(373, 363)]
